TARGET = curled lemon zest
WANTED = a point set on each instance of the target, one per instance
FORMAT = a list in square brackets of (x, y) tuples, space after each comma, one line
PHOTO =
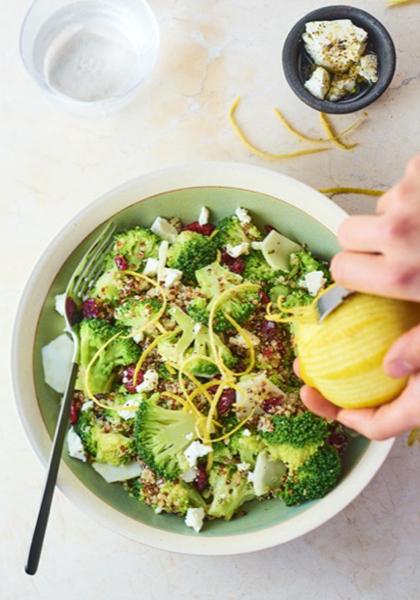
[(244, 335), (151, 347), (351, 190), (306, 138), (213, 410), (262, 153), (392, 3), (332, 134), (170, 368), (236, 428), (199, 386)]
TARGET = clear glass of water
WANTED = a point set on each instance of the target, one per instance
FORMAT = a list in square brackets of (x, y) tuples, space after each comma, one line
[(90, 55)]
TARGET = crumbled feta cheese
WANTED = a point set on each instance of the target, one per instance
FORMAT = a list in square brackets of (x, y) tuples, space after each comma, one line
[(158, 510), (314, 282), (130, 404), (162, 256), (243, 216), (238, 340), (368, 68), (335, 45), (113, 473), (150, 381), (194, 518), (57, 358), (75, 445), (195, 451), (235, 251), (151, 267), (189, 436), (86, 406), (319, 83), (162, 228), (342, 86), (244, 466), (246, 432), (197, 328), (203, 218), (139, 337), (60, 301), (171, 276), (251, 476), (189, 475)]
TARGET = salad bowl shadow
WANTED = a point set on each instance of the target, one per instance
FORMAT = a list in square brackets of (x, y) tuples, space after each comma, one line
[(298, 212)]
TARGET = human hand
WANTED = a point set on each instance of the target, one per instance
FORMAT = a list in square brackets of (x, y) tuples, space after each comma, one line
[(381, 255)]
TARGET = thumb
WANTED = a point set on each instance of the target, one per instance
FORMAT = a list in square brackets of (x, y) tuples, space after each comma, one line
[(404, 356)]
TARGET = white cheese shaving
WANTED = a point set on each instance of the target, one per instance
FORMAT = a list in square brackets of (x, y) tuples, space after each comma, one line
[(60, 302), (113, 473), (57, 358), (75, 445), (203, 218), (194, 518), (165, 230)]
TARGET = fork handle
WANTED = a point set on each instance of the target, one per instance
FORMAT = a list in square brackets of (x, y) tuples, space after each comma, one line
[(53, 466)]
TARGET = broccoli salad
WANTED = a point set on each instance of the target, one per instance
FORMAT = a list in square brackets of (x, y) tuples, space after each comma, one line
[(186, 394)]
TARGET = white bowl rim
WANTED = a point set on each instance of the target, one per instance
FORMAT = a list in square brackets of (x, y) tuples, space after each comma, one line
[(198, 174)]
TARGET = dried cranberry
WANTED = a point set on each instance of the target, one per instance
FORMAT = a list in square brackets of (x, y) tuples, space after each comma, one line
[(206, 229), (269, 405), (74, 411), (264, 297), (128, 376), (72, 312), (337, 440), (268, 328), (268, 351), (90, 309), (201, 481), (227, 400), (121, 263)]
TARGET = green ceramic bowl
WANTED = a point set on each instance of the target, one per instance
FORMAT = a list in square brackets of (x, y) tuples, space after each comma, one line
[(297, 211)]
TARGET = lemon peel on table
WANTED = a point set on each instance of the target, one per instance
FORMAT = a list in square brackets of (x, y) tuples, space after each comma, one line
[(332, 134), (351, 190), (303, 137), (263, 153), (392, 3)]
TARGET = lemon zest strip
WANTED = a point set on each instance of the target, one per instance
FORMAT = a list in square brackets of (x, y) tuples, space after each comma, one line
[(332, 134), (351, 190), (257, 151)]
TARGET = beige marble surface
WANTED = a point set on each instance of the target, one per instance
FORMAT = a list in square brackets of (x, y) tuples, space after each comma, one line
[(52, 164)]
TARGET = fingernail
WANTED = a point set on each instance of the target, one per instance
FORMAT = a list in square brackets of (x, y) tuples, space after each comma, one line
[(400, 368)]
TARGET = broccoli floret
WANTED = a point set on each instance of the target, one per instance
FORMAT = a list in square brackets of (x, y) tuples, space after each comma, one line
[(197, 310), (258, 270), (230, 489), (231, 231), (222, 453), (161, 437), (107, 447), (94, 333), (247, 447), (294, 439), (190, 252), (108, 286), (135, 314), (314, 479), (238, 306), (302, 263), (135, 245), (168, 496)]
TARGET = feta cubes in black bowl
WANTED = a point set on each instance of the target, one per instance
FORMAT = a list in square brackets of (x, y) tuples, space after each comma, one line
[(339, 59)]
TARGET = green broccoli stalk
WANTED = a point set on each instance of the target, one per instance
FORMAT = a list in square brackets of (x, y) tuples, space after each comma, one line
[(231, 231), (190, 252), (94, 333), (314, 479), (258, 270), (295, 439), (161, 437), (174, 497), (135, 314), (246, 447), (230, 489), (135, 245)]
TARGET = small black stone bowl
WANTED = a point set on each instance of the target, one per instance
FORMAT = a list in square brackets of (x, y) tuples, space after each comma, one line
[(296, 62)]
